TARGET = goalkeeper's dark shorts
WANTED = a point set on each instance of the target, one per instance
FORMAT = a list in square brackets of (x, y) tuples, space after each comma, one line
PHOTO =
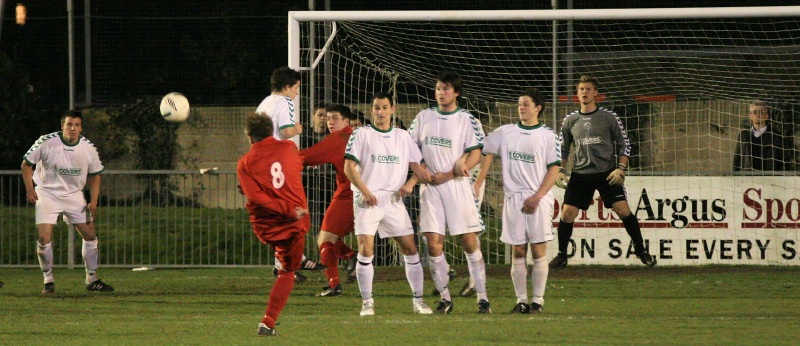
[(581, 187)]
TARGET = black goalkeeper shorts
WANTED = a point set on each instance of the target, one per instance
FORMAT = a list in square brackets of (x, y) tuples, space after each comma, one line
[(581, 187)]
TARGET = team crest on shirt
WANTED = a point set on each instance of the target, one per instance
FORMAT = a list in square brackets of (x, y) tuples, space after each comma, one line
[(70, 171), (392, 159), (518, 156), (439, 141)]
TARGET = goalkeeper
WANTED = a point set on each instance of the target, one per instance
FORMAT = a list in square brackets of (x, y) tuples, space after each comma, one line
[(601, 159)]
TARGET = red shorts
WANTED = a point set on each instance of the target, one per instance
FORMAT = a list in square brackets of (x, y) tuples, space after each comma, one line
[(339, 217), (290, 251)]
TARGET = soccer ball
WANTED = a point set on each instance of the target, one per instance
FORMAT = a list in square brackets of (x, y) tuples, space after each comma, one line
[(174, 107)]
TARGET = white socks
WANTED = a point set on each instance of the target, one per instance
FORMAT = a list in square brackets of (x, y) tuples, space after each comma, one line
[(519, 276), (90, 255), (45, 255), (415, 276), (539, 279), (439, 269), (477, 270), (365, 272)]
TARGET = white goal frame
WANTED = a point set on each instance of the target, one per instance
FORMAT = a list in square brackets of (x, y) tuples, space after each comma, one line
[(295, 17), (722, 233)]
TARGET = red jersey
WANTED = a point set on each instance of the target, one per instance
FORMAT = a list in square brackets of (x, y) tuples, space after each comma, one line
[(270, 176), (331, 150)]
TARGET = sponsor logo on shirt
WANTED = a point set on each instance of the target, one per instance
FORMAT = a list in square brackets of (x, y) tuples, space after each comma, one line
[(518, 156), (392, 159), (69, 171), (590, 140), (439, 141)]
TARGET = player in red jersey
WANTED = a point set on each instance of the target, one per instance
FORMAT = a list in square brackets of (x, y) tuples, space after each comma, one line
[(270, 177), (338, 220)]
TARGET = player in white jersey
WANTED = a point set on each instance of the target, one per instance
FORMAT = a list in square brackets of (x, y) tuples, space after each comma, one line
[(280, 107), (64, 162), (531, 158), (377, 159), (445, 134)]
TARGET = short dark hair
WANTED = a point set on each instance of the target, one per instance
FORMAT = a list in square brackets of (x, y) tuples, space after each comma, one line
[(341, 109), (452, 78), (589, 79), (258, 126), (359, 115), (282, 77), (535, 95), (381, 96), (71, 113)]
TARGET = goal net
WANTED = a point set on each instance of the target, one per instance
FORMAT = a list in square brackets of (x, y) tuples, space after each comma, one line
[(681, 81)]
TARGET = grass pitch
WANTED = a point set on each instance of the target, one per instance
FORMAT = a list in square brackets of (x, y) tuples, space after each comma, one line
[(584, 305)]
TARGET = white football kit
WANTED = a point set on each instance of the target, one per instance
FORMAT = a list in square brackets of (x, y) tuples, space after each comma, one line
[(383, 158), (281, 110), (526, 153), (60, 175), (443, 139)]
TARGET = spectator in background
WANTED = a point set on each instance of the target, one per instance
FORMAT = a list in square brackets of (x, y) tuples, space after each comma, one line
[(318, 130), (762, 147), (359, 120)]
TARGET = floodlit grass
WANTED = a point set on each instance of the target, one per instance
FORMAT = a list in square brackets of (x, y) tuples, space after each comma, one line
[(584, 305)]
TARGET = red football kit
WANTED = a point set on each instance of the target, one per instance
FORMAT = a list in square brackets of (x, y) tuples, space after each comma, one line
[(270, 175), (339, 215), (339, 218)]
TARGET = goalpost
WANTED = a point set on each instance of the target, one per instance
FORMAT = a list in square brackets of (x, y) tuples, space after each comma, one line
[(680, 79)]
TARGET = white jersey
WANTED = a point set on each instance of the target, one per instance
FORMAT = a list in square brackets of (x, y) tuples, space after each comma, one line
[(444, 137), (62, 168), (527, 152), (282, 112), (382, 156)]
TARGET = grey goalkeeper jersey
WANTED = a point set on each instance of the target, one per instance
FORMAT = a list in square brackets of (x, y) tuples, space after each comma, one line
[(599, 138)]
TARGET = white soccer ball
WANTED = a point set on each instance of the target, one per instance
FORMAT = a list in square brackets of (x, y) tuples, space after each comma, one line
[(175, 107)]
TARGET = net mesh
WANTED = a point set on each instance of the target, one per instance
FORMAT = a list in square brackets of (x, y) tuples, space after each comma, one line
[(681, 87)]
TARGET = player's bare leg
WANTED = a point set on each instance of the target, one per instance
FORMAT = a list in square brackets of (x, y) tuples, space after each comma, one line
[(623, 210), (477, 268), (414, 272)]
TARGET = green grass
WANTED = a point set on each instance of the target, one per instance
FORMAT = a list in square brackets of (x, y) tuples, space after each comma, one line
[(584, 305)]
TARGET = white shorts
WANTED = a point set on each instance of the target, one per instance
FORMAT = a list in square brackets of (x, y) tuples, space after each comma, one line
[(49, 206), (389, 218), (520, 228), (449, 207)]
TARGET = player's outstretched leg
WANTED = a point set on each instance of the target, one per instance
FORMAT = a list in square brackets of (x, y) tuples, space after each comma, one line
[(278, 297), (632, 227)]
